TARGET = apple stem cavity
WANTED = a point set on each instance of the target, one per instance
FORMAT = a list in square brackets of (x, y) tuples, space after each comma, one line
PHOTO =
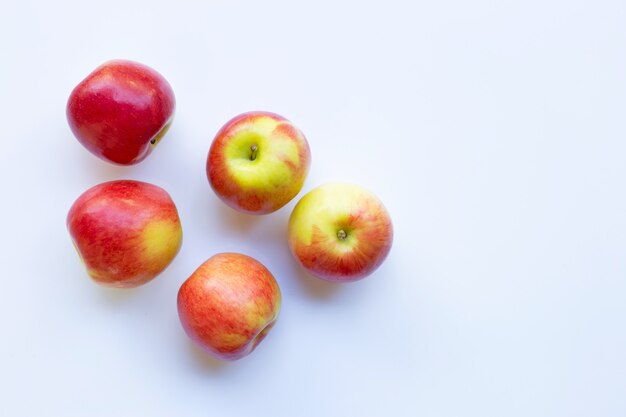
[(254, 150), (342, 235)]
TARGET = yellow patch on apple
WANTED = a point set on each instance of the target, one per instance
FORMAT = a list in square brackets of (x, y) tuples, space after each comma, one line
[(161, 238)]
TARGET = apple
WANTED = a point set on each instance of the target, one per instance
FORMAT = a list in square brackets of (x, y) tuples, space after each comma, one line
[(258, 162), (340, 232), (121, 111), (126, 232), (229, 304)]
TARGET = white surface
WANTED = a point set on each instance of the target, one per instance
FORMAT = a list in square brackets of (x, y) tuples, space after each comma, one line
[(493, 131)]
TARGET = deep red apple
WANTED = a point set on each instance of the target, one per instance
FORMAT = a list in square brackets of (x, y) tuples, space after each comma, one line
[(229, 304), (121, 111), (126, 232)]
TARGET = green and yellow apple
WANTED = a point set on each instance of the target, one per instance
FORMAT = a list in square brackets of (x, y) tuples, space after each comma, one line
[(258, 162), (126, 232), (229, 304), (340, 232)]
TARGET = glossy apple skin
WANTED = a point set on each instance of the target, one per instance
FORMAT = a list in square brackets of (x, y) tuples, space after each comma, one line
[(229, 304), (121, 111), (276, 174), (316, 240), (126, 232)]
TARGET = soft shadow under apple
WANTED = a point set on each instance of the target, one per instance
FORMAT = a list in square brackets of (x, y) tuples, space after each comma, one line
[(116, 296), (235, 221), (205, 360), (313, 286)]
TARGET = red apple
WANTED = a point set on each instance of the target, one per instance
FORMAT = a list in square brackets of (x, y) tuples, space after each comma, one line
[(229, 304), (340, 232), (126, 232), (121, 111), (258, 162)]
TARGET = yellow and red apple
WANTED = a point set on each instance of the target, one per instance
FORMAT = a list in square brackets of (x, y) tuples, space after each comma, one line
[(258, 162), (340, 232), (120, 111), (229, 304), (126, 232)]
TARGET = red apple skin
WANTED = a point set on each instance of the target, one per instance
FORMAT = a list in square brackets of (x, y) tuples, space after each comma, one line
[(126, 232), (266, 184), (229, 304), (328, 210), (121, 111)]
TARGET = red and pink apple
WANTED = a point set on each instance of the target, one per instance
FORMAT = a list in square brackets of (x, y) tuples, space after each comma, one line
[(121, 111), (229, 304), (340, 232), (126, 232), (258, 162)]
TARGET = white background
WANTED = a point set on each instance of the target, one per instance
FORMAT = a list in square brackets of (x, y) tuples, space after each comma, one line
[(494, 132)]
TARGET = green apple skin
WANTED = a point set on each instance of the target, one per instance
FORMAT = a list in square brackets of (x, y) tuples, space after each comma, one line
[(258, 162), (340, 232)]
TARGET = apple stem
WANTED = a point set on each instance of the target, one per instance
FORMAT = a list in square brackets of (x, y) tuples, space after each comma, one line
[(254, 150), (341, 234)]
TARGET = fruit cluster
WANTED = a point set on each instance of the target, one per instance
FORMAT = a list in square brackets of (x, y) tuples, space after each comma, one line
[(127, 232)]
